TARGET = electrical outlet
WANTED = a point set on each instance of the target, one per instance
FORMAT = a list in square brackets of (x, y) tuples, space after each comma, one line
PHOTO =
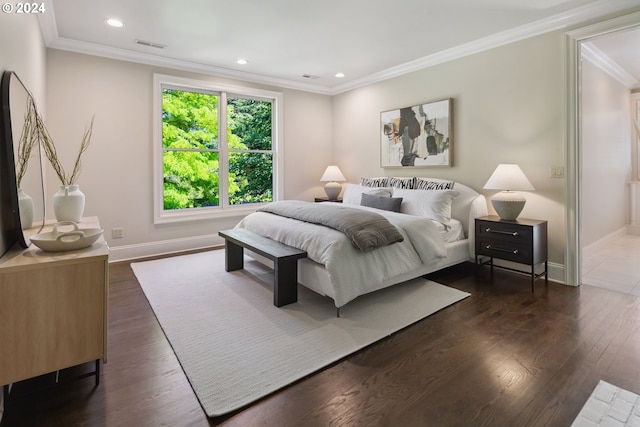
[(117, 233), (556, 171)]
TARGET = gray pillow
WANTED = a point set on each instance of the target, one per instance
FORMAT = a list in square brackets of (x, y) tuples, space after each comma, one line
[(381, 202)]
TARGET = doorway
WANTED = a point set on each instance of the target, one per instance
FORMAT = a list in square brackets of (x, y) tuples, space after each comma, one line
[(575, 154)]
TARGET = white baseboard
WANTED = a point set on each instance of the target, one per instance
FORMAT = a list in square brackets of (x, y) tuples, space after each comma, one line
[(555, 272), (633, 229), (592, 248), (164, 247)]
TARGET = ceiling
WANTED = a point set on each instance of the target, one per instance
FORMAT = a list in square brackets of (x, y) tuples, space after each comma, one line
[(286, 40)]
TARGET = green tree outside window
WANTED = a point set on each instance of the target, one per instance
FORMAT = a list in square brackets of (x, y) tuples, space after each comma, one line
[(192, 150)]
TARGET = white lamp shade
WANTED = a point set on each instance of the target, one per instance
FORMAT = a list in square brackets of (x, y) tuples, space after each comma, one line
[(508, 177), (332, 173), (507, 203)]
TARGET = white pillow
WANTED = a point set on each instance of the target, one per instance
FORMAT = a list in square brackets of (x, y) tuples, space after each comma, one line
[(353, 193), (433, 204)]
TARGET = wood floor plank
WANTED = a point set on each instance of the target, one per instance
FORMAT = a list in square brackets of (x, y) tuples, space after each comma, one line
[(503, 357)]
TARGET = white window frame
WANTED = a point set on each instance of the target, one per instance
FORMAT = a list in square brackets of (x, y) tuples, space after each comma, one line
[(160, 215)]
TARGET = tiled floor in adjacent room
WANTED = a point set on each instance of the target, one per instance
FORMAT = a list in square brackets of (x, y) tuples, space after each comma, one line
[(609, 406), (615, 266)]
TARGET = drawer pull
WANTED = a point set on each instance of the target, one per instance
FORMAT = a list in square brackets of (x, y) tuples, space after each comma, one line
[(510, 233), (511, 251)]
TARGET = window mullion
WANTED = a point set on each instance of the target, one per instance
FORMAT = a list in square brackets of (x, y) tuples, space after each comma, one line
[(223, 160)]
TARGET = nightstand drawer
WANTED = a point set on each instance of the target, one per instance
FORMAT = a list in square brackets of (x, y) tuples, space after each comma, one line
[(511, 234), (516, 251)]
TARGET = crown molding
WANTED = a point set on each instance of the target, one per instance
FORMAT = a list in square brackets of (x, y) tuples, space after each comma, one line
[(556, 22), (598, 58), (178, 64)]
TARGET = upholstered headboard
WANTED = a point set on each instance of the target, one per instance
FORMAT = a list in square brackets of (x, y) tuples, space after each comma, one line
[(468, 205)]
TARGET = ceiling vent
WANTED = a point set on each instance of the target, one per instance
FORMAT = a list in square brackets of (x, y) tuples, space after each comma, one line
[(150, 44), (309, 76)]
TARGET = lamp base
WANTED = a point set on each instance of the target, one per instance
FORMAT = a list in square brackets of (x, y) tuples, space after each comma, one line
[(333, 190), (508, 204)]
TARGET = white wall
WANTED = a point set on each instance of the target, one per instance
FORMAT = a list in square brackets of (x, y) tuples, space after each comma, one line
[(508, 108), (117, 168), (22, 50), (606, 149)]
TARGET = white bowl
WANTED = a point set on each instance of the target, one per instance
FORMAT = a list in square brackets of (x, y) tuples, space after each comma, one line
[(57, 241)]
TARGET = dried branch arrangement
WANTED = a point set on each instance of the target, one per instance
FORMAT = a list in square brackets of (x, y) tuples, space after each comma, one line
[(52, 155), (28, 140)]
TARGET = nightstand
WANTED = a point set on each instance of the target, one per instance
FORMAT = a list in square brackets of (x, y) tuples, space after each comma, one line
[(523, 241), (326, 199)]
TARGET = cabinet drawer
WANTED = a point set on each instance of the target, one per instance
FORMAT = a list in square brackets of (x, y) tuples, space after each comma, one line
[(505, 249), (512, 234), (524, 241)]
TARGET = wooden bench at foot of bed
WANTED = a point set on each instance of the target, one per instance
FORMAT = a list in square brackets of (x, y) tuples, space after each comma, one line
[(285, 261)]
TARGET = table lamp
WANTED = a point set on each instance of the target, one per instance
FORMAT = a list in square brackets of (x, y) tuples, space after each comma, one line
[(332, 174), (509, 178)]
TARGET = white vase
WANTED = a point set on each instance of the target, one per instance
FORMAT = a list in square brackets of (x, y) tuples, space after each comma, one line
[(25, 207), (68, 203)]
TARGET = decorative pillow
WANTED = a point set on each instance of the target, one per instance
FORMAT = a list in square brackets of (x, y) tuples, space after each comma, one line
[(398, 182), (429, 184), (382, 181), (381, 202), (353, 193), (435, 205)]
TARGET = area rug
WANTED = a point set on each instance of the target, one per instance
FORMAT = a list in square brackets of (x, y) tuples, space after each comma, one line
[(609, 405), (236, 347)]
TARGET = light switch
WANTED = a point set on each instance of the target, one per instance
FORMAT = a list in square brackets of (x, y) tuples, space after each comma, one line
[(556, 171)]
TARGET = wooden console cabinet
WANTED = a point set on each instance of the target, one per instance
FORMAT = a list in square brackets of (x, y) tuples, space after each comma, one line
[(53, 308)]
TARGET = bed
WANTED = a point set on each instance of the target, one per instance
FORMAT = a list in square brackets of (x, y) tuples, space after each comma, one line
[(433, 216)]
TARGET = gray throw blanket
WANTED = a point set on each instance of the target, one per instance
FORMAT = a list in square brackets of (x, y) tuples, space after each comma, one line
[(367, 230)]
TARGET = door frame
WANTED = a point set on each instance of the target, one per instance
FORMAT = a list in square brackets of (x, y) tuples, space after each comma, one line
[(573, 217)]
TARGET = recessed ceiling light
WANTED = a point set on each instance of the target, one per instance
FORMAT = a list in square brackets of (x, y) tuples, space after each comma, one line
[(114, 22), (242, 61), (340, 75)]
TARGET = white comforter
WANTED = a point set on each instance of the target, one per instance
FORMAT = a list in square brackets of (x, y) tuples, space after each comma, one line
[(351, 271)]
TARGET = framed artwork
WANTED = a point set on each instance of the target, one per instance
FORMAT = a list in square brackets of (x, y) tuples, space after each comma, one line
[(417, 136)]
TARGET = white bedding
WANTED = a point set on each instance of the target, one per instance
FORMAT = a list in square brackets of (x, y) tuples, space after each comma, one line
[(451, 233), (343, 278), (351, 271)]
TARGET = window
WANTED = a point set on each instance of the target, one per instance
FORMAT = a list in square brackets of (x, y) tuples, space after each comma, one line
[(215, 149)]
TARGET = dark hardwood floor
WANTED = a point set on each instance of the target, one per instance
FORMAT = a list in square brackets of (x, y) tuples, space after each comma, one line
[(503, 357)]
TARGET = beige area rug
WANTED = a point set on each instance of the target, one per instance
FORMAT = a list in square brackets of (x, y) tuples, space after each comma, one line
[(236, 347)]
